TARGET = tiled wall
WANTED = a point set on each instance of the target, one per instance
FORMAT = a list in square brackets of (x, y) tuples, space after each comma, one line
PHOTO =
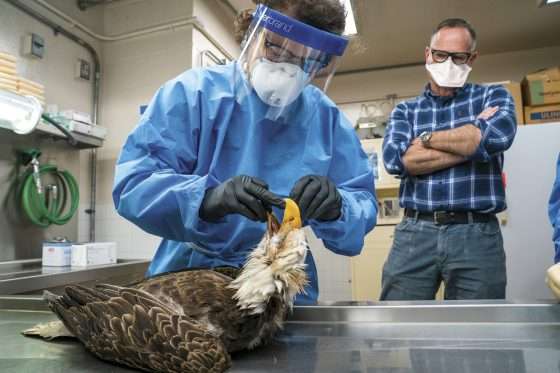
[(133, 70), (333, 271), (56, 72)]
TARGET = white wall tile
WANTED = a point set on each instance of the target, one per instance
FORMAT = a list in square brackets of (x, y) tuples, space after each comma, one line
[(333, 271)]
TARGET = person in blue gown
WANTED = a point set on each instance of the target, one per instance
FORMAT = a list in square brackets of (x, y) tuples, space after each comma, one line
[(553, 273), (217, 147), (554, 213)]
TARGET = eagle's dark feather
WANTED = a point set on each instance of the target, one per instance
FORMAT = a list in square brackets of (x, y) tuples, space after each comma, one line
[(131, 327), (204, 296), (188, 321)]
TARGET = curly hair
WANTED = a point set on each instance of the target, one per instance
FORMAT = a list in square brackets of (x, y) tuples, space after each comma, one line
[(327, 15)]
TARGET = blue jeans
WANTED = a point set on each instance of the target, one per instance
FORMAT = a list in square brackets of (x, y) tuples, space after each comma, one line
[(468, 258)]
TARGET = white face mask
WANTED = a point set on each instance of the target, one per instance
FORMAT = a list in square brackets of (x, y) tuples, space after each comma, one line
[(278, 83), (447, 74)]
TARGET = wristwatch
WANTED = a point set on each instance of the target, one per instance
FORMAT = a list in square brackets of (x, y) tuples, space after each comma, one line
[(425, 138)]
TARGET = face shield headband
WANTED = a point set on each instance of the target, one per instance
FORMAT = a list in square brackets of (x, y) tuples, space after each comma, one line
[(282, 55), (319, 40)]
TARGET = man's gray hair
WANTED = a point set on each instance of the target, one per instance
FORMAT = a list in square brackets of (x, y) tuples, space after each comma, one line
[(454, 23)]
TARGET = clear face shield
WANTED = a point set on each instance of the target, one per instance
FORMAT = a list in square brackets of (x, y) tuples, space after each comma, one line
[(281, 56)]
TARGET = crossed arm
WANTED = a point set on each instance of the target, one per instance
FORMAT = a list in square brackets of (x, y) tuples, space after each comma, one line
[(446, 148)]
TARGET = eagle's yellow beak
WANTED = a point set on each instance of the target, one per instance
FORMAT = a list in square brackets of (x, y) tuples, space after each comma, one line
[(291, 220), (292, 216)]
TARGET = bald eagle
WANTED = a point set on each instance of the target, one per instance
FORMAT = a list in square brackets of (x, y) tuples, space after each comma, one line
[(189, 321)]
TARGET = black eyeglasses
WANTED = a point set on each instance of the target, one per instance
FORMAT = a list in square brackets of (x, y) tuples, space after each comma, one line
[(458, 58), (276, 53)]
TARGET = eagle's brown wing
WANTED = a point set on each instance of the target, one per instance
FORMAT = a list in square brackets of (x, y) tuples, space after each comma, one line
[(197, 293), (131, 327), (204, 296), (232, 272)]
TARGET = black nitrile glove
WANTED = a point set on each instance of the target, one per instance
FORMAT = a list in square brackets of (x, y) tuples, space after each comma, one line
[(243, 195), (317, 198)]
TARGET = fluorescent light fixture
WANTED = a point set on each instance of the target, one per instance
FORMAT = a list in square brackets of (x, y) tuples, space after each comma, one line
[(350, 28), (19, 113), (542, 3)]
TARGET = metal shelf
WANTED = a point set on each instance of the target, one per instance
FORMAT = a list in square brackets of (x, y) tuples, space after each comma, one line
[(29, 276), (84, 141), (45, 130)]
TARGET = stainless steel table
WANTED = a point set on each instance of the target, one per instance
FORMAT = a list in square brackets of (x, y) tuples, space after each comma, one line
[(29, 276), (426, 337)]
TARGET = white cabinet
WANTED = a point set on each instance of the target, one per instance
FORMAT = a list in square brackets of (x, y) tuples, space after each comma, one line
[(367, 267)]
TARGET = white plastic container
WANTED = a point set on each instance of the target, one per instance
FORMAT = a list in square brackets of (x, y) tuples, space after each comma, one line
[(57, 254), (77, 116), (93, 253)]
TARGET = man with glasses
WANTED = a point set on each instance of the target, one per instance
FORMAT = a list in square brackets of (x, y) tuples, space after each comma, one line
[(447, 147)]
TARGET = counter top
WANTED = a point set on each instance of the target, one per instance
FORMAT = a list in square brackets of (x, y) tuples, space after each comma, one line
[(29, 276), (426, 337)]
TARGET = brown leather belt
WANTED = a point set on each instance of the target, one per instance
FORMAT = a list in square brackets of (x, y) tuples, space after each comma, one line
[(450, 217)]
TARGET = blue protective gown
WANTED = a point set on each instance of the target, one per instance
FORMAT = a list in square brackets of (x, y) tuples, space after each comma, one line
[(199, 131), (554, 213)]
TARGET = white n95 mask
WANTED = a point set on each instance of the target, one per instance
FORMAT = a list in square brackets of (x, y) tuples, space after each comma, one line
[(278, 83), (448, 74)]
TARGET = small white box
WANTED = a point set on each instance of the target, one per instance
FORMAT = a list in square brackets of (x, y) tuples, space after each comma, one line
[(78, 116), (86, 129), (99, 131), (94, 253), (57, 254)]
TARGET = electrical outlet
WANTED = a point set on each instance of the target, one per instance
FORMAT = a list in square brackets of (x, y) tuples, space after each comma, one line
[(83, 69), (33, 46)]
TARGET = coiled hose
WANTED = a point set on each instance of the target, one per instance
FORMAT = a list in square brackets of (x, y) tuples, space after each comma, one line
[(46, 207)]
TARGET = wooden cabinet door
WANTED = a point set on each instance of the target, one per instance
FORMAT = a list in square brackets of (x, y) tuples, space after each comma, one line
[(367, 267)]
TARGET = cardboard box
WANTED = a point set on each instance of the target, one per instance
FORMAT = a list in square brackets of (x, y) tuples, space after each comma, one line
[(542, 114), (514, 88), (57, 254), (542, 87), (550, 74), (94, 253)]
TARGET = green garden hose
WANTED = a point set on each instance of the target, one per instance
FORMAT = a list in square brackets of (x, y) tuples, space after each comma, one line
[(46, 206)]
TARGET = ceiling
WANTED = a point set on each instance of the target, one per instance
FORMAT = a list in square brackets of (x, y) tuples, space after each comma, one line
[(395, 32)]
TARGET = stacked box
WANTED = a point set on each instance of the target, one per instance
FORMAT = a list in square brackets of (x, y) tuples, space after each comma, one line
[(541, 93), (8, 74), (514, 88), (28, 87), (94, 253)]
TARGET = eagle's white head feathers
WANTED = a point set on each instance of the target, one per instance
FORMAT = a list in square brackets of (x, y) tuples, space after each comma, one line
[(276, 265)]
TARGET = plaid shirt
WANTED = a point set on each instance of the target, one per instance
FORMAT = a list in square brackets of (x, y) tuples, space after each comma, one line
[(475, 185)]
